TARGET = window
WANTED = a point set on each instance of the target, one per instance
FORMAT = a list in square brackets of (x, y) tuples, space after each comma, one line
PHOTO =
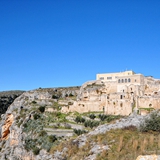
[(121, 97), (135, 80), (109, 77), (125, 80), (119, 81), (129, 80), (122, 80), (101, 78)]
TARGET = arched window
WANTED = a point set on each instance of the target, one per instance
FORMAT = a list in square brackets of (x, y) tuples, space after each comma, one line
[(129, 80), (125, 80), (121, 97), (119, 81), (122, 80)]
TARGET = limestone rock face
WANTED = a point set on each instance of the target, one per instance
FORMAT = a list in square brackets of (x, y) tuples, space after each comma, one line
[(6, 127), (12, 136), (148, 157)]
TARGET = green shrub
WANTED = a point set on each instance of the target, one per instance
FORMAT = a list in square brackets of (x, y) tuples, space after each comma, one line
[(34, 102), (36, 116), (91, 124), (79, 119), (151, 124), (108, 118), (102, 117), (54, 97), (71, 95), (41, 109), (52, 138), (79, 132), (92, 116), (36, 150), (42, 133), (25, 125)]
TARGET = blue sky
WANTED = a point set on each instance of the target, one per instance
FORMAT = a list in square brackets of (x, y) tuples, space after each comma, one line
[(58, 43)]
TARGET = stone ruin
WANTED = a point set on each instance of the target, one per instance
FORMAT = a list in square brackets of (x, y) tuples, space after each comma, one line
[(127, 94)]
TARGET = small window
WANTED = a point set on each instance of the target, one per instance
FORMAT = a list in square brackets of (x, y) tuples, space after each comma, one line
[(125, 80), (101, 78), (119, 81), (109, 77), (122, 81), (135, 80), (121, 97), (129, 80)]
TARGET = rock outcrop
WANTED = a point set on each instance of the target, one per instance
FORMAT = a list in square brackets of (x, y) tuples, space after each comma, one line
[(15, 141), (7, 98), (148, 157), (6, 127)]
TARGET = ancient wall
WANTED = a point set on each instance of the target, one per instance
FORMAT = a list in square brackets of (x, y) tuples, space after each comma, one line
[(118, 98)]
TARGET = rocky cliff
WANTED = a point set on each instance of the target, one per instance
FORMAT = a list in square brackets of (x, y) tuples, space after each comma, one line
[(7, 98), (33, 128)]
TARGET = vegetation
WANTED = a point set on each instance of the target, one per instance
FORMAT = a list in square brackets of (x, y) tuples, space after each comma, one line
[(108, 118), (54, 97), (79, 131), (91, 124), (42, 109), (92, 116), (152, 123), (79, 119)]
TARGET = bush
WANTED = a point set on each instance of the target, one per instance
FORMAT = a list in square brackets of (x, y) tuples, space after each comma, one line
[(52, 138), (42, 133), (36, 150), (102, 117), (71, 95), (41, 109), (151, 124), (92, 116), (34, 102), (36, 116), (91, 124), (79, 119), (108, 118), (54, 97), (79, 132)]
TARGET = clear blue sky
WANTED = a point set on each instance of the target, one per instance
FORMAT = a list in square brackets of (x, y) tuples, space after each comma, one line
[(51, 43)]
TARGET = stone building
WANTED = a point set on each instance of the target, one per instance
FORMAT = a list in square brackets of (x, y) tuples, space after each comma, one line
[(119, 94)]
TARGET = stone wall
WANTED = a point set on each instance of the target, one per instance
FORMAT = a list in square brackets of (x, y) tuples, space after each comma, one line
[(117, 98)]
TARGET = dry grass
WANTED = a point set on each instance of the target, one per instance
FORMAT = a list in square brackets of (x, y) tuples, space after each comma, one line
[(127, 144), (124, 144)]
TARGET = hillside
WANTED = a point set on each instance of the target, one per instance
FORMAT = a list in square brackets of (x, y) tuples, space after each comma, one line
[(34, 128)]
